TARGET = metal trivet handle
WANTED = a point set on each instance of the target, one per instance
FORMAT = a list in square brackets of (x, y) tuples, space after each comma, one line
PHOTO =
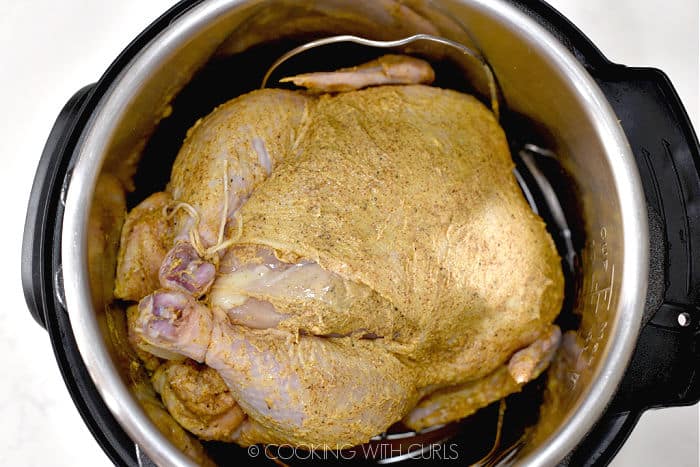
[(466, 51)]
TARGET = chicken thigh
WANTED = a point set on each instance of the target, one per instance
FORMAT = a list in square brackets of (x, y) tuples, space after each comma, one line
[(198, 399), (345, 261)]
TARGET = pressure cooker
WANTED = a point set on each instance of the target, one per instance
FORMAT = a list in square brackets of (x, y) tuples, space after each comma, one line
[(604, 152)]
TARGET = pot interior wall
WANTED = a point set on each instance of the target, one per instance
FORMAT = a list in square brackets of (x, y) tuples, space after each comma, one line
[(229, 56)]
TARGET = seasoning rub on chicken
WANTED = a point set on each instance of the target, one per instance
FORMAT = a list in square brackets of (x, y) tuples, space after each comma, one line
[(336, 262)]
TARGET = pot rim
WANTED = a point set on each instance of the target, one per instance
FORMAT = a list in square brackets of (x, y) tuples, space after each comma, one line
[(98, 131)]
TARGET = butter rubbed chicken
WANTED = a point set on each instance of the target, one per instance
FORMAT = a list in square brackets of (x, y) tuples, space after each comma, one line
[(328, 262)]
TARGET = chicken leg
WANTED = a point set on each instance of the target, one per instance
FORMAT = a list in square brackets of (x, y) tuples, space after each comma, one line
[(300, 389)]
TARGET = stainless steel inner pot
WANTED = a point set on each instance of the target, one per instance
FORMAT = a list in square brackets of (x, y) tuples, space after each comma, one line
[(539, 79)]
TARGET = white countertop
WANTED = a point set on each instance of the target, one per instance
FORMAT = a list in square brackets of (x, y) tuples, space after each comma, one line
[(49, 49)]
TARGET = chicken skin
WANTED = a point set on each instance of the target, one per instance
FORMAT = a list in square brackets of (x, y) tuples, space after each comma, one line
[(198, 399), (344, 261)]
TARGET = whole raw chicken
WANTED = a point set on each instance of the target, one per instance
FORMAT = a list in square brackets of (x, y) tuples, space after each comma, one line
[(340, 259)]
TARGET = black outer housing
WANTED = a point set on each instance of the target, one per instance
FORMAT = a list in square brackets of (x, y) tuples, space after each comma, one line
[(664, 369)]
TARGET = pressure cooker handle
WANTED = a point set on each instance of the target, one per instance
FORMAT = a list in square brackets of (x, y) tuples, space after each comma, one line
[(664, 369), (44, 204)]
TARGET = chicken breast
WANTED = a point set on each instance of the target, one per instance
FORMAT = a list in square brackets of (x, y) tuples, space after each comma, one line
[(346, 261)]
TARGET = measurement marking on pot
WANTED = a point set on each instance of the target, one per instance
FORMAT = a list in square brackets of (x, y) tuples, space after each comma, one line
[(604, 293), (597, 292)]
